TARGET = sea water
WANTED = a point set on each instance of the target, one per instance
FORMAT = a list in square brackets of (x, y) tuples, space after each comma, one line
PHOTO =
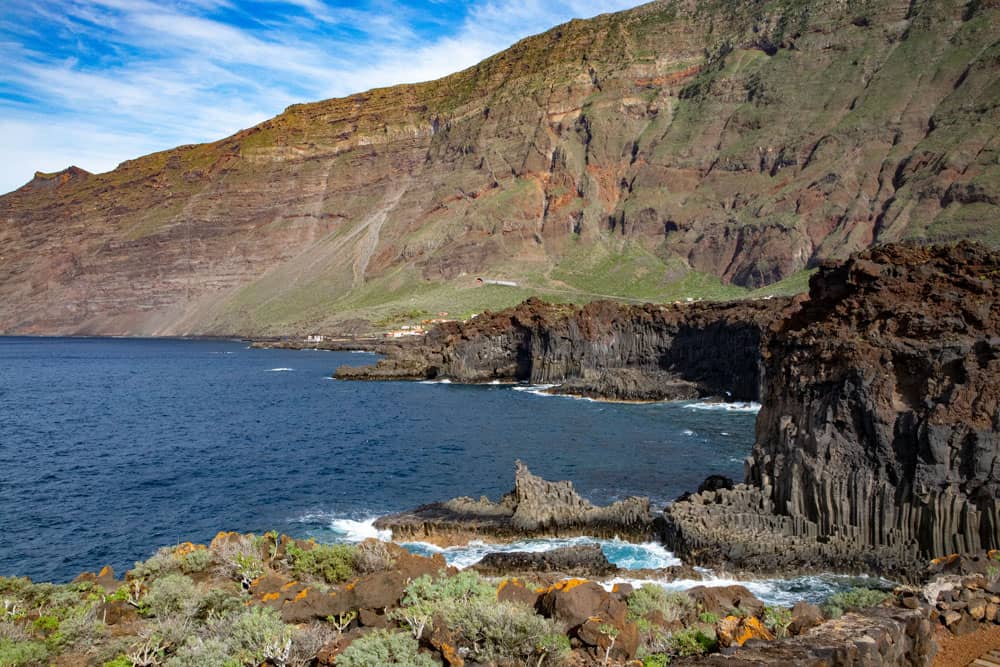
[(112, 448)]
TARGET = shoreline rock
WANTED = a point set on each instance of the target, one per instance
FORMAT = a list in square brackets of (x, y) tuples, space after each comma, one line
[(535, 508)]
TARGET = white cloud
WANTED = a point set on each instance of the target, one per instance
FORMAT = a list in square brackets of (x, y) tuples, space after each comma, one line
[(137, 76)]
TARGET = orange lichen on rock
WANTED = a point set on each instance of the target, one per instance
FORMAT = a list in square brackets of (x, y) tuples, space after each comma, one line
[(106, 571), (222, 537), (271, 596), (507, 582), (291, 583), (736, 631), (184, 548), (302, 594), (564, 585), (450, 655)]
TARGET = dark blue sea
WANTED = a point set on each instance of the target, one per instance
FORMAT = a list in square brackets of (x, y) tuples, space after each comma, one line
[(112, 448)]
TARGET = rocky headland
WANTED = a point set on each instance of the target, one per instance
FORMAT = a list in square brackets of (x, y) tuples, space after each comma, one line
[(879, 434), (602, 350)]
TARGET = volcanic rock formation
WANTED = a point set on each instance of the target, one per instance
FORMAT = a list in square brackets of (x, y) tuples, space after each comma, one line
[(879, 436), (602, 350), (725, 141), (535, 507)]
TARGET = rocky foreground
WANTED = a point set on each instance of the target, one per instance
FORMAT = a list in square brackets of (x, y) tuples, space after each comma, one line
[(275, 601)]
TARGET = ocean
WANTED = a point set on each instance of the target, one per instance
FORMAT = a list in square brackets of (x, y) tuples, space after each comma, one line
[(112, 448)]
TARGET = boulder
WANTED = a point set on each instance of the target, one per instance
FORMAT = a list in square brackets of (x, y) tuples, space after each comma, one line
[(580, 561), (513, 590), (738, 630), (723, 600), (804, 617)]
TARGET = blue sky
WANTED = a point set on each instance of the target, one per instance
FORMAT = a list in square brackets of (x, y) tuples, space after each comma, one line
[(96, 82)]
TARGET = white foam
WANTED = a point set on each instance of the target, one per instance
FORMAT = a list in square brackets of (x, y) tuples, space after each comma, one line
[(626, 555), (687, 431), (359, 531), (726, 407), (442, 381), (279, 370)]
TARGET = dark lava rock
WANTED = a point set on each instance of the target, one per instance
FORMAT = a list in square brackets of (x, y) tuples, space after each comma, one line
[(535, 507), (583, 560)]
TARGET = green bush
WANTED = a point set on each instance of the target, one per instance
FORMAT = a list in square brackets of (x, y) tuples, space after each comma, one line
[(82, 627), (218, 602), (172, 594), (853, 600), (16, 654), (777, 620), (650, 597), (332, 563), (199, 652), (198, 560), (691, 641), (372, 557), (383, 647), (708, 617), (656, 660), (159, 564), (120, 661), (501, 632), (258, 634), (427, 597)]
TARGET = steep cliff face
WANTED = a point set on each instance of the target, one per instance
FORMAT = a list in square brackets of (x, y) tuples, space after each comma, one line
[(725, 142), (603, 349), (881, 413)]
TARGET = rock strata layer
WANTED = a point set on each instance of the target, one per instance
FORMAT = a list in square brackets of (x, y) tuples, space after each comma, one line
[(535, 508), (601, 350)]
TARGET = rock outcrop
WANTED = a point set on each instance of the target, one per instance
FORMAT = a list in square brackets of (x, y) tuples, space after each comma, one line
[(879, 437), (534, 508), (880, 418), (710, 142), (601, 350)]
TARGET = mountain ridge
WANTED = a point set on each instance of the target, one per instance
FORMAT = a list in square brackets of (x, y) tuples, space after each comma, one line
[(675, 149)]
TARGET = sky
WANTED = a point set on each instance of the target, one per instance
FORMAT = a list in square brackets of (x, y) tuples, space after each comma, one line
[(92, 83)]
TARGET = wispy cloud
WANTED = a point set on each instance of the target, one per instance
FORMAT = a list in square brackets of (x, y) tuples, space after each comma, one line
[(96, 82)]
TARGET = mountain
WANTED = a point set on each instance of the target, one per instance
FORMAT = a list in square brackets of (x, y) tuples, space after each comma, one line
[(679, 149)]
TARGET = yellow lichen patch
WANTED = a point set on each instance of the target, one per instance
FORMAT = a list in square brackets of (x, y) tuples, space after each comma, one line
[(302, 594), (271, 597), (507, 582), (184, 548), (285, 587), (564, 585), (451, 655), (749, 628), (950, 558), (351, 586), (222, 537)]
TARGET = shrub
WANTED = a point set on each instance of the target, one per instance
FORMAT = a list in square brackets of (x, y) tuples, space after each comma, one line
[(383, 647), (777, 620), (240, 559), (173, 594), (691, 641), (554, 648), (218, 602), (371, 557), (159, 564), (425, 597), (852, 600), (13, 631), (307, 643), (501, 632), (120, 661), (258, 634), (82, 626), (708, 617), (656, 660), (199, 652), (16, 654), (650, 597), (196, 561), (332, 563)]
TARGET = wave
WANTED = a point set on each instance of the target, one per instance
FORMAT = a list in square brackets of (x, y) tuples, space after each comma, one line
[(725, 407), (279, 370), (340, 528), (443, 381), (814, 588), (625, 555)]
